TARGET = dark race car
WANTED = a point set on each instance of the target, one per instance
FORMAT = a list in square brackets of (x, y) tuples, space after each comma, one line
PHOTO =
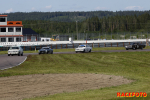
[(135, 46), (46, 50)]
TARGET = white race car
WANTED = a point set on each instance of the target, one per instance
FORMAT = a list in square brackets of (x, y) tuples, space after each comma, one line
[(16, 50), (83, 48)]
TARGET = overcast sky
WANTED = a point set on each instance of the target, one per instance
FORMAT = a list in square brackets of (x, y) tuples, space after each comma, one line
[(7, 6)]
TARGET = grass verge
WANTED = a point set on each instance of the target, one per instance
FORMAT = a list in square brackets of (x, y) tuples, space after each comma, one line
[(132, 65)]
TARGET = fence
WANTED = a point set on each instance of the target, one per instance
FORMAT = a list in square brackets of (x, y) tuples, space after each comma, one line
[(103, 36)]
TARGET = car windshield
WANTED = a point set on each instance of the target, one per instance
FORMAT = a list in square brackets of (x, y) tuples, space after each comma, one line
[(131, 43), (14, 47), (80, 46), (45, 48)]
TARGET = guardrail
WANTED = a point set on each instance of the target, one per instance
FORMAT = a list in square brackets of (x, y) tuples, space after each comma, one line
[(8, 44), (69, 44)]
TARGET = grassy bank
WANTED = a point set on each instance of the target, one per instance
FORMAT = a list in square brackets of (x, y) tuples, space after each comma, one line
[(132, 65)]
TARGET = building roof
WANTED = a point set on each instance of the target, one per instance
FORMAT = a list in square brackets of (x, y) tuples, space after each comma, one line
[(29, 31), (3, 15)]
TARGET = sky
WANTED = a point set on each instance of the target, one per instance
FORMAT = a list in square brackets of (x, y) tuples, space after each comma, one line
[(8, 6)]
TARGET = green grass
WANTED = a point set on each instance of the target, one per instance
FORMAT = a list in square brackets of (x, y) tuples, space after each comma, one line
[(132, 65)]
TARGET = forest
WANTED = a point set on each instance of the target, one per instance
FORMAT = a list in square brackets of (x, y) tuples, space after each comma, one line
[(84, 22)]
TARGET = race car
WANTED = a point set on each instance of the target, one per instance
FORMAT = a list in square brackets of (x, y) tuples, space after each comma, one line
[(46, 50), (15, 50), (83, 48), (135, 46)]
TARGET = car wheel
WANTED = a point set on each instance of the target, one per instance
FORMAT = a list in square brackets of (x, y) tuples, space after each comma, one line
[(126, 49), (90, 50), (22, 54), (76, 52), (8, 55), (84, 51), (133, 48), (19, 54), (39, 53)]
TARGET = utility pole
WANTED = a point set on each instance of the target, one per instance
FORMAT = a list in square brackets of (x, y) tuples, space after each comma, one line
[(77, 29)]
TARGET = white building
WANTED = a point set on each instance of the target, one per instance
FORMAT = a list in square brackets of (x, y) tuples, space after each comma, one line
[(10, 31)]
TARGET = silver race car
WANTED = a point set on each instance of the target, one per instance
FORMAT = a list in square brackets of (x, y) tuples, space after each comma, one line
[(83, 48)]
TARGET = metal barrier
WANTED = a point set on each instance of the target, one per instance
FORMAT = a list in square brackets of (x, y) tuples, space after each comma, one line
[(73, 45)]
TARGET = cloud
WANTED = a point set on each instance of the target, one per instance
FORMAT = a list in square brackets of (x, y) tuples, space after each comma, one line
[(101, 8), (9, 10), (134, 8), (48, 7)]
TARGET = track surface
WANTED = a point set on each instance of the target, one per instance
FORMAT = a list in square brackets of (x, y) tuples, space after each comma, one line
[(7, 62)]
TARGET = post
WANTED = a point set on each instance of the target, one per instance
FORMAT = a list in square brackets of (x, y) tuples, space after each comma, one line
[(35, 48), (77, 29), (130, 35), (124, 35), (111, 35)]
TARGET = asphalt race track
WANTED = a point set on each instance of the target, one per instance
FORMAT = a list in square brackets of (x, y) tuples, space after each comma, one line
[(7, 62)]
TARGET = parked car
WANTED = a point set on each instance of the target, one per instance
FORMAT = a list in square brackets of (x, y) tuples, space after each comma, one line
[(15, 50), (46, 50), (83, 48), (135, 46)]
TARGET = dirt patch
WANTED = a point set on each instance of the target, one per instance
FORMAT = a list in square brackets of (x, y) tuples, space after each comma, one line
[(19, 87)]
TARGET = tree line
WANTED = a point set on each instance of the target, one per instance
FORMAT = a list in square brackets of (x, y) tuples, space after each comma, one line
[(110, 24), (68, 16)]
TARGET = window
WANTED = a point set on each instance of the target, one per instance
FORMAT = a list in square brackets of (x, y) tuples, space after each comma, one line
[(2, 29), (14, 47), (18, 29), (18, 39), (3, 39), (10, 29), (10, 39), (24, 38), (10, 23), (17, 23), (2, 20)]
